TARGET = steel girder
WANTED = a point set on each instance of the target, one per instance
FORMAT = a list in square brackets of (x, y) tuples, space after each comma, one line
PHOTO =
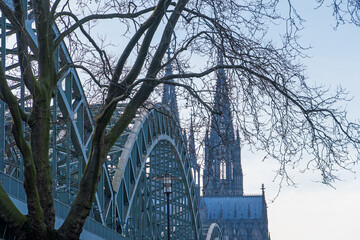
[(128, 200), (213, 232), (152, 146), (72, 122)]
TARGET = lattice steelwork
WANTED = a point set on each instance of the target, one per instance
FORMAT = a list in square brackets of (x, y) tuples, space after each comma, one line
[(212, 232), (10, 160), (153, 146), (128, 200), (72, 123)]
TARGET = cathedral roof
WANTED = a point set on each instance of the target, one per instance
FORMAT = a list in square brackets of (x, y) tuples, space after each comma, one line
[(233, 207)]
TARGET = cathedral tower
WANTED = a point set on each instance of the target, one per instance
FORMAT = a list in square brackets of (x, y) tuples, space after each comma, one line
[(169, 94), (169, 99), (223, 173), (239, 216)]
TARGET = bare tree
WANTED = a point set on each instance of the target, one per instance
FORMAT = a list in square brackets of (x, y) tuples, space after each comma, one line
[(344, 11), (274, 103)]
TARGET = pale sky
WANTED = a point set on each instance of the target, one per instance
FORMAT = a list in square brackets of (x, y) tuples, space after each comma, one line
[(313, 211)]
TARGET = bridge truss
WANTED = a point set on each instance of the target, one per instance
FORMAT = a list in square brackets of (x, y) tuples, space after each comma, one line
[(128, 200)]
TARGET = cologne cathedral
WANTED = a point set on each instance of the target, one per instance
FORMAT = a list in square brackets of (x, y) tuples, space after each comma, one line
[(240, 216)]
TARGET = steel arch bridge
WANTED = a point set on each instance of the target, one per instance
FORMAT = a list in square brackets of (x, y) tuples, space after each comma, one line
[(129, 203), (154, 146), (212, 232)]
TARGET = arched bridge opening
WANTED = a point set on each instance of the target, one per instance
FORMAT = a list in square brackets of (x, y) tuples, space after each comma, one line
[(129, 202), (153, 146)]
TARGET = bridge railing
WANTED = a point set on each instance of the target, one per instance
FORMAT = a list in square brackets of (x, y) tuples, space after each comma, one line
[(72, 123), (15, 189)]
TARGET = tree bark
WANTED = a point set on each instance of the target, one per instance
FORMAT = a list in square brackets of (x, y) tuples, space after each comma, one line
[(72, 227), (9, 212), (40, 139)]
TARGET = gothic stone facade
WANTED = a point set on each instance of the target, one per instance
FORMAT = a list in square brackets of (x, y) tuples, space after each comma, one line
[(241, 217)]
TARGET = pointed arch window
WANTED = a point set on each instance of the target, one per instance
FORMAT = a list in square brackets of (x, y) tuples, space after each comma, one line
[(222, 169)]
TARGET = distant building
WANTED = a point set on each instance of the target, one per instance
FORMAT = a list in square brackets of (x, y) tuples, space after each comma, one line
[(239, 216), (169, 99)]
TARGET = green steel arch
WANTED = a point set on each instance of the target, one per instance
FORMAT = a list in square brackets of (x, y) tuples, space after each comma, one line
[(128, 200), (213, 232), (72, 122), (71, 131), (152, 146), (154, 136)]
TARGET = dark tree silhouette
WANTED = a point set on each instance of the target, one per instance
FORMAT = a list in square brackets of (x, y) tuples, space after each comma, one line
[(275, 104)]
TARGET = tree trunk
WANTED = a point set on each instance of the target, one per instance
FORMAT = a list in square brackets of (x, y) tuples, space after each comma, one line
[(80, 210), (40, 139)]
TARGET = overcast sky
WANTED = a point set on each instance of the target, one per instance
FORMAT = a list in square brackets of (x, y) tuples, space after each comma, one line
[(313, 211)]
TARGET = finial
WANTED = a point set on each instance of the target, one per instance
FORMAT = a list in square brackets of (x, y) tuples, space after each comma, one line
[(169, 93), (168, 69), (262, 189), (221, 71)]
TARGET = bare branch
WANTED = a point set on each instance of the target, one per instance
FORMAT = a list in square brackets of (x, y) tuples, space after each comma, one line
[(24, 58), (81, 22), (9, 14), (66, 68), (153, 22), (35, 210), (10, 213)]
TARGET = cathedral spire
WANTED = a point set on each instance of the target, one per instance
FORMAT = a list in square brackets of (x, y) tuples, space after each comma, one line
[(169, 94), (193, 159), (222, 150), (221, 100), (221, 71), (192, 150)]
